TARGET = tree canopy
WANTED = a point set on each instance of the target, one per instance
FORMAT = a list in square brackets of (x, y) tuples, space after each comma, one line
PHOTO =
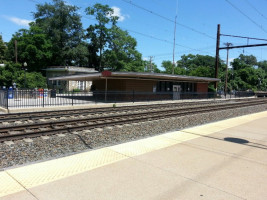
[(56, 37), (13, 73), (3, 49), (62, 24), (33, 47)]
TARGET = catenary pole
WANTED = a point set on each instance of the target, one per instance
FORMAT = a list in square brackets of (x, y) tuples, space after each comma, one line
[(217, 55)]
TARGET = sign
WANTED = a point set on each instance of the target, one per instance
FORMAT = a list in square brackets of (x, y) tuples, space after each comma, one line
[(106, 73)]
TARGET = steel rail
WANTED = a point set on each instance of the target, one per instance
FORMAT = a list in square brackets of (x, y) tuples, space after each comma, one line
[(121, 119), (51, 114), (86, 119)]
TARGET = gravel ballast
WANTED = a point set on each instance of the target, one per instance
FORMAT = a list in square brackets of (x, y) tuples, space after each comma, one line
[(43, 148)]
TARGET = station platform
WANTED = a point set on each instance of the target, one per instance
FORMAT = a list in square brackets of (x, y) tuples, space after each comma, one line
[(221, 160)]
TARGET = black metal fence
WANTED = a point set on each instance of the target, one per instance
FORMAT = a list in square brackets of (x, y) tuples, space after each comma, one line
[(45, 98)]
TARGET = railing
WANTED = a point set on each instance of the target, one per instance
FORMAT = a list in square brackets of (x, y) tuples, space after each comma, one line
[(40, 98)]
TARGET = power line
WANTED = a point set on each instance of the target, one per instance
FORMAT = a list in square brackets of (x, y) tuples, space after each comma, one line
[(243, 46), (168, 54), (246, 16), (167, 19), (243, 37), (146, 35), (163, 40), (256, 9), (35, 1)]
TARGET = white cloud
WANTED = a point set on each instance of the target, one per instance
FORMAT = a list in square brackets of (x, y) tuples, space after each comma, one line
[(18, 21), (117, 13)]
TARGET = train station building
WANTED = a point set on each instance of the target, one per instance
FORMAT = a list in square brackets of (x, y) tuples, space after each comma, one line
[(142, 82)]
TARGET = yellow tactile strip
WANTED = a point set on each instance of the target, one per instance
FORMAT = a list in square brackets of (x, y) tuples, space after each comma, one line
[(45, 172), (8, 185)]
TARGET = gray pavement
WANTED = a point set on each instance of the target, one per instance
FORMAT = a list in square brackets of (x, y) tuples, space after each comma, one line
[(219, 163)]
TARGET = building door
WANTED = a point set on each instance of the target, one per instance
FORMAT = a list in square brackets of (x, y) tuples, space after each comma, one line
[(176, 91)]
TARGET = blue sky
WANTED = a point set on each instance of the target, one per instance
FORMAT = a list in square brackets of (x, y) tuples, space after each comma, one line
[(154, 30)]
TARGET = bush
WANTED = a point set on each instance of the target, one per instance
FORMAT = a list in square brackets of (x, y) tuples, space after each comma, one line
[(76, 90)]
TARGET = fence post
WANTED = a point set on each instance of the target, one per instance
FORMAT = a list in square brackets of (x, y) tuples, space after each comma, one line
[(7, 99), (72, 97), (43, 97)]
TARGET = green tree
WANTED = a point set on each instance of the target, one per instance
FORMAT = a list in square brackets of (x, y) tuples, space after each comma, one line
[(12, 73), (249, 60), (263, 65), (121, 54), (168, 65), (197, 65), (2, 49), (246, 75), (33, 47), (150, 67), (99, 33), (62, 24), (9, 74), (35, 80)]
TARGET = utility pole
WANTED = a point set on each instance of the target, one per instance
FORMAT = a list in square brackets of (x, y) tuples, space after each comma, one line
[(16, 51), (150, 64), (217, 55), (226, 71), (173, 62)]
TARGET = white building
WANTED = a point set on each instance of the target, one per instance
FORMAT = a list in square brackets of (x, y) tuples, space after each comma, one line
[(56, 71)]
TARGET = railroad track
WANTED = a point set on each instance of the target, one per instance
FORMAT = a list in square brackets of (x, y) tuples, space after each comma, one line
[(48, 128), (56, 115), (93, 111)]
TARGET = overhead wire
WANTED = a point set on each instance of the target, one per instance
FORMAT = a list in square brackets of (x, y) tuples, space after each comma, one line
[(150, 36), (163, 40), (168, 19), (250, 4), (244, 37), (244, 14)]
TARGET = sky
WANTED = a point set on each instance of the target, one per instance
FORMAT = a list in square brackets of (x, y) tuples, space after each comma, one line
[(151, 23)]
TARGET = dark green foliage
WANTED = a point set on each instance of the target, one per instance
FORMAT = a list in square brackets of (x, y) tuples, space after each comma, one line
[(62, 24), (121, 54), (99, 34), (246, 74), (197, 65), (33, 47), (168, 65), (12, 73), (109, 46), (3, 49), (263, 65)]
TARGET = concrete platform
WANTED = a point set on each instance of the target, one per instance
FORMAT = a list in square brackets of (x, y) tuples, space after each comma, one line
[(222, 160)]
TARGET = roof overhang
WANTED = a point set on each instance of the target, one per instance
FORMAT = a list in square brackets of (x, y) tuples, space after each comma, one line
[(136, 75)]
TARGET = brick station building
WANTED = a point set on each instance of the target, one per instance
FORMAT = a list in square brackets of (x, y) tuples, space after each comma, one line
[(143, 82)]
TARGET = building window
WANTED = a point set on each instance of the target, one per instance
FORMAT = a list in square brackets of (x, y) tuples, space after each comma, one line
[(81, 85), (164, 86)]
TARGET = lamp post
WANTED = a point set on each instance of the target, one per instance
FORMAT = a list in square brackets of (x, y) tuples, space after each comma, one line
[(25, 69)]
